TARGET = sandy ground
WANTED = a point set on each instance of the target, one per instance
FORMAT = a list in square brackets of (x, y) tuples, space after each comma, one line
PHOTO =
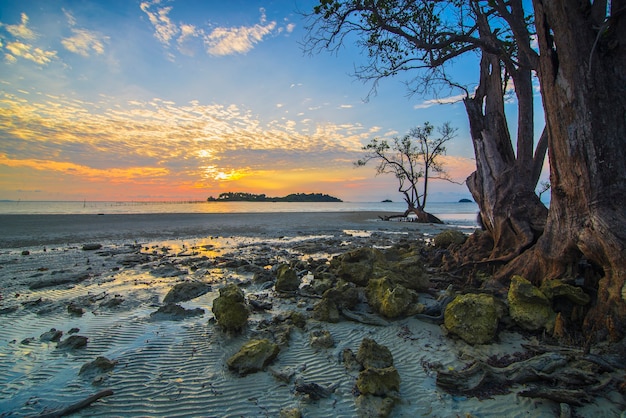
[(177, 368), (31, 230)]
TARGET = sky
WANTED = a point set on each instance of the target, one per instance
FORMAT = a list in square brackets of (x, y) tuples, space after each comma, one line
[(183, 99)]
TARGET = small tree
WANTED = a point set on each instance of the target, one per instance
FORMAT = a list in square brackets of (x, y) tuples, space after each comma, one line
[(412, 158)]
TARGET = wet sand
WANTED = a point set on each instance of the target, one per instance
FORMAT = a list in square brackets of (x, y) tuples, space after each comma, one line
[(178, 367), (33, 230)]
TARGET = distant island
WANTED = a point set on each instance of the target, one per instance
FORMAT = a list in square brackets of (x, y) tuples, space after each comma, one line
[(294, 197), (465, 201)]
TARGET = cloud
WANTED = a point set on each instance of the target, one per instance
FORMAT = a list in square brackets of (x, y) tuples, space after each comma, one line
[(37, 55), (21, 31), (227, 41), (165, 30), (446, 100), (15, 49), (192, 143), (83, 42), (218, 41)]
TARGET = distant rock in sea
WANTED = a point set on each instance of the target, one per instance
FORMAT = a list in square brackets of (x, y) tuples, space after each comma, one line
[(387, 201), (465, 201)]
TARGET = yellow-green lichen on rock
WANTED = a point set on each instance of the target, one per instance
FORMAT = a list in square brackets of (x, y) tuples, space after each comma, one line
[(388, 299), (556, 288), (473, 318), (230, 309), (528, 306), (253, 356)]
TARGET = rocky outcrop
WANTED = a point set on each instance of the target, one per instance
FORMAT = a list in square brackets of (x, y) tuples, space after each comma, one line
[(185, 291), (389, 299), (230, 310), (378, 381), (401, 266), (254, 356), (449, 237), (528, 306), (175, 312), (286, 279), (472, 317)]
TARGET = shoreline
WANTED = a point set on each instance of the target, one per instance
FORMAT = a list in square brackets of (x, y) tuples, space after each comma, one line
[(20, 231)]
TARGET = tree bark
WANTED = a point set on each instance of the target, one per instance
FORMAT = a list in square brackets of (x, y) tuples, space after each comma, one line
[(502, 185), (582, 71)]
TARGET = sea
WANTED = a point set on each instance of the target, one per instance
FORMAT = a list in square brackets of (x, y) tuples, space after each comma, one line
[(457, 213)]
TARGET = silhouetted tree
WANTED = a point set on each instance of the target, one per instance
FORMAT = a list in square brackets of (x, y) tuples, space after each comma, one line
[(413, 159)]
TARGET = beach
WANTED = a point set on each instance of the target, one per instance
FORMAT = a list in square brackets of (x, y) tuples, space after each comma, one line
[(104, 278)]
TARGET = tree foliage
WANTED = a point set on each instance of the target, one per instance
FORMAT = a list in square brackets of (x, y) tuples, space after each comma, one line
[(412, 159)]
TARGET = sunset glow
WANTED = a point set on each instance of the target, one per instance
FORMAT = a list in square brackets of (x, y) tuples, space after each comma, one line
[(169, 101)]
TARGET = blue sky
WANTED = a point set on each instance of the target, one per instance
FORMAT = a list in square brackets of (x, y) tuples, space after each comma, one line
[(140, 100)]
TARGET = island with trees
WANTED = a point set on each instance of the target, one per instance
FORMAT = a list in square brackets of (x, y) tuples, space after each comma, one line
[(293, 197)]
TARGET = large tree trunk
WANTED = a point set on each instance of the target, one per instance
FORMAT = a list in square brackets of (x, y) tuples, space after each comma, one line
[(502, 185), (583, 83)]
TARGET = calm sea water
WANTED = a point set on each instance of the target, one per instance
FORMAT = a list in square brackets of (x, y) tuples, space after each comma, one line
[(454, 212)]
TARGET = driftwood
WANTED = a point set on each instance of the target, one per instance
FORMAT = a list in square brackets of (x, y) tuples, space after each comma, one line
[(364, 318), (563, 376), (77, 406)]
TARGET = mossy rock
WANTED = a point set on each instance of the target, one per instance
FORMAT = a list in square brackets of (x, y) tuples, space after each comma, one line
[(473, 318), (556, 288), (321, 339), (253, 356), (357, 266), (326, 310), (447, 238), (378, 382), (286, 279), (389, 299), (372, 354), (230, 309), (528, 306)]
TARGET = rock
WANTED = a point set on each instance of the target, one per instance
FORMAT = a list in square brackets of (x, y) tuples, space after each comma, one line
[(447, 238), (344, 295), (528, 306), (74, 309), (473, 318), (372, 354), (25, 252), (185, 291), (378, 382), (389, 299), (290, 413), (321, 339), (348, 358), (286, 279), (53, 335), (357, 266), (73, 342), (58, 281), (374, 406), (556, 288), (175, 312), (230, 309), (403, 267), (91, 247), (410, 272), (254, 356), (313, 390), (99, 365), (326, 310)]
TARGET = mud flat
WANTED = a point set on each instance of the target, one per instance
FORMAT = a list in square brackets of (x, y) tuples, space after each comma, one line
[(83, 313)]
